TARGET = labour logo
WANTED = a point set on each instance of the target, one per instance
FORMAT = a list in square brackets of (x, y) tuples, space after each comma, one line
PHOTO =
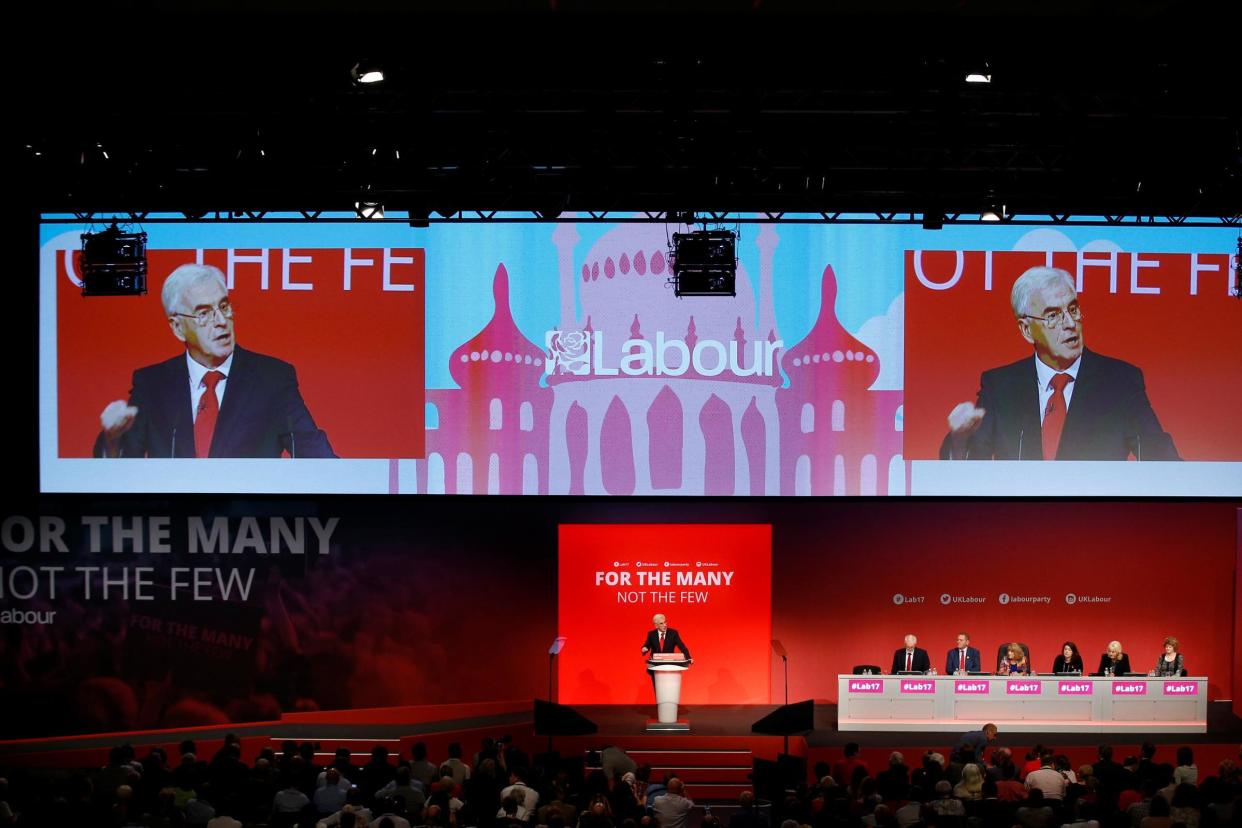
[(569, 352)]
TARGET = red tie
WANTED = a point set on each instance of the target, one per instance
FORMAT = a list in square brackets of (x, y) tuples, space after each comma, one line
[(909, 661), (661, 642), (208, 411), (1054, 416), (961, 660)]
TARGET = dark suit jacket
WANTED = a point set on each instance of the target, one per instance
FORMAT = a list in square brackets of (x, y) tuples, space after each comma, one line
[(1109, 416), (262, 415), (972, 661), (921, 661), (1060, 665), (1177, 668), (1120, 668), (672, 641)]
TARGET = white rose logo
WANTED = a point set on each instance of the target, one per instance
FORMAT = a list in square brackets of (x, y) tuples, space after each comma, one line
[(570, 351)]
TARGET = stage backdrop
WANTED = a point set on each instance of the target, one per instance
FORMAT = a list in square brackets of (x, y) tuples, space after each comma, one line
[(1041, 573), (712, 582), (140, 613)]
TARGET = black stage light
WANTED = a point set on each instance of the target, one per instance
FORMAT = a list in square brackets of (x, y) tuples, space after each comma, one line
[(704, 263), (114, 263)]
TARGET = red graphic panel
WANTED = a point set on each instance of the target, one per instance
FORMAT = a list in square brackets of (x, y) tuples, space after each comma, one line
[(363, 383), (712, 581), (1168, 313)]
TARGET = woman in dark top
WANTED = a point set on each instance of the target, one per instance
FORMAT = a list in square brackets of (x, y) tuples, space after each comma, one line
[(1069, 661), (1171, 662), (1114, 662)]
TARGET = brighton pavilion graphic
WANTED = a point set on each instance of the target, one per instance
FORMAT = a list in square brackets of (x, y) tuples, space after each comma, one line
[(637, 393)]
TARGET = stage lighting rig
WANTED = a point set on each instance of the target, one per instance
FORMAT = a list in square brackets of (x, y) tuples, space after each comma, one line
[(114, 263), (704, 263)]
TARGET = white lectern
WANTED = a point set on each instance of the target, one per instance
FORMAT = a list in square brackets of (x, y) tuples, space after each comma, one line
[(667, 675)]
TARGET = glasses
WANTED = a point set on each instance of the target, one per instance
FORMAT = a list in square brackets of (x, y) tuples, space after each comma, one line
[(205, 316), (1056, 318)]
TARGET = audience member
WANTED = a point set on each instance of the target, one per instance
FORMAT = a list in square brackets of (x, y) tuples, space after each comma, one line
[(673, 809), (1035, 813), (453, 766), (1047, 779), (893, 783)]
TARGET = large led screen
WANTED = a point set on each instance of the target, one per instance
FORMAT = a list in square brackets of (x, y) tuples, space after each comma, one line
[(554, 358)]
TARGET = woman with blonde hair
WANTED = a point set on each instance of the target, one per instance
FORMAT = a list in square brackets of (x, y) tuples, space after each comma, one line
[(1114, 662), (971, 786), (1014, 662)]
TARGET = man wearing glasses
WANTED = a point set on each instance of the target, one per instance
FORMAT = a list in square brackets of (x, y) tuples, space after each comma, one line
[(1066, 403), (216, 399)]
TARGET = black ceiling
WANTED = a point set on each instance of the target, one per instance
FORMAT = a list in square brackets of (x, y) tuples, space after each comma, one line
[(1095, 108)]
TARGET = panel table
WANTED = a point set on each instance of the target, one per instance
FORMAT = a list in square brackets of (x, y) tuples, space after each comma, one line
[(1033, 704)]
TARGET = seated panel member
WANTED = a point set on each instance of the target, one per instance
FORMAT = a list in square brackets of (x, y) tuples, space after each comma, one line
[(1171, 662), (1069, 661), (1063, 403), (1114, 661), (963, 656), (1014, 662), (911, 658), (214, 400)]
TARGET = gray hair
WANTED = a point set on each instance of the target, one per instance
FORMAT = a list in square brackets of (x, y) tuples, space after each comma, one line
[(181, 279), (1036, 278)]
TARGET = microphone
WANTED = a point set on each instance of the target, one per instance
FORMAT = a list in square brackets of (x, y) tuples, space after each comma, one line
[(1020, 435), (293, 449), (172, 452)]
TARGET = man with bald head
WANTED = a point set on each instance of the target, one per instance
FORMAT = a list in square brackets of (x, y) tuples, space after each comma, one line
[(673, 809), (215, 399), (911, 658), (1064, 402)]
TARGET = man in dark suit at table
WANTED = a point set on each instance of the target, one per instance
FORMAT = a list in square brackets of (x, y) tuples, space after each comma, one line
[(1065, 402), (911, 658), (963, 656), (215, 399)]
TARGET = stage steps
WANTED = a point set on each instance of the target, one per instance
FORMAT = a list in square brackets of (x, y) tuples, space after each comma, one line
[(713, 775)]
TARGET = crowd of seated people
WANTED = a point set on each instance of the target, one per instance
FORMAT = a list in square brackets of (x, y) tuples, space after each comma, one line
[(500, 787), (1038, 788)]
